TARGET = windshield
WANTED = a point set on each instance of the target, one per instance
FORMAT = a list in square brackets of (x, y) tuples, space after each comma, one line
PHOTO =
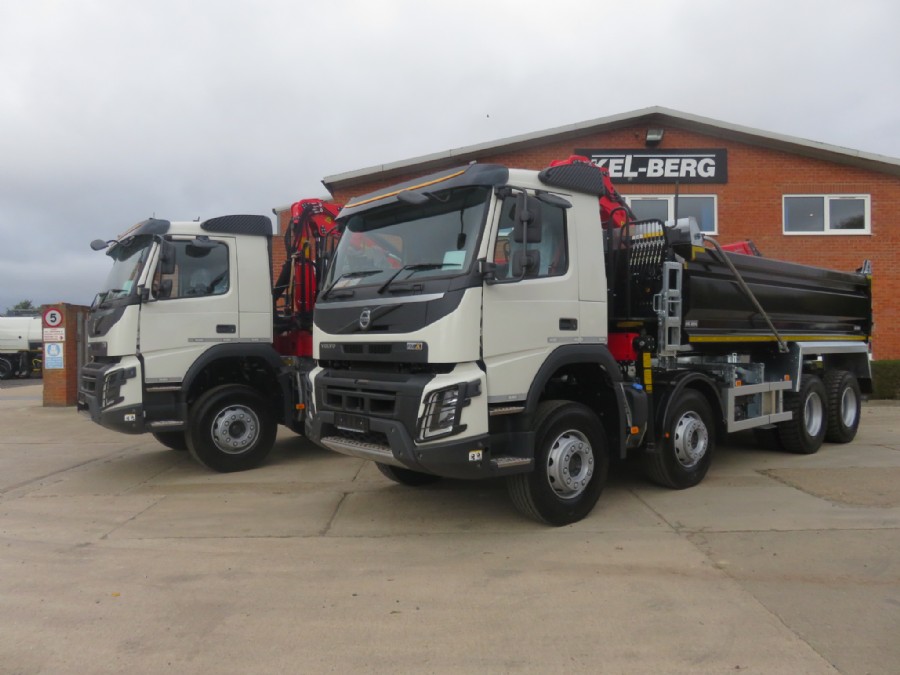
[(386, 246), (129, 257)]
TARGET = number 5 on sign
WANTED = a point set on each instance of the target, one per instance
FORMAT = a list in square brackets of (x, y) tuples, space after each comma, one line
[(53, 318)]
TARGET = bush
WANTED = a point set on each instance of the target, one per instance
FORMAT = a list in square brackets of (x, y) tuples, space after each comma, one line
[(886, 379)]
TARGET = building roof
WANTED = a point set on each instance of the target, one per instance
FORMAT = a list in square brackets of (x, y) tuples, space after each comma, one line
[(655, 115)]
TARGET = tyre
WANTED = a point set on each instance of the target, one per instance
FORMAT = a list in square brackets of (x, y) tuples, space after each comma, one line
[(571, 464), (174, 440), (685, 452), (804, 432), (6, 369), (844, 402), (407, 476), (231, 429)]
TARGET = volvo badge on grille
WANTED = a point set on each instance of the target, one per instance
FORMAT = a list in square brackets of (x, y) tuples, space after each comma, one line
[(365, 318)]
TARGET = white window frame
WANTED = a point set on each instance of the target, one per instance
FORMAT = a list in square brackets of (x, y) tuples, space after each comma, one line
[(867, 215), (670, 199)]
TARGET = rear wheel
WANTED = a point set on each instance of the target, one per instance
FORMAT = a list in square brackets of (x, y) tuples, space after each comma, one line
[(231, 429), (174, 440), (844, 400), (571, 463), (6, 368), (804, 432), (684, 456), (398, 474)]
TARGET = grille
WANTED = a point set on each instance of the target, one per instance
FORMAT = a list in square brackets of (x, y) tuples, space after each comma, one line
[(360, 400)]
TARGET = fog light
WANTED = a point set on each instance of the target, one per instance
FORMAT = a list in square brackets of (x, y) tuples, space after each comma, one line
[(441, 413)]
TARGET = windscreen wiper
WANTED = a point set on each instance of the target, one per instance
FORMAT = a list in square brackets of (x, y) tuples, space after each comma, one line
[(415, 267), (348, 275)]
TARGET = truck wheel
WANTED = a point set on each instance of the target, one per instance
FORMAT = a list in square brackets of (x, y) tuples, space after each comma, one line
[(571, 463), (174, 440), (804, 432), (683, 457), (6, 369), (407, 476), (231, 429), (844, 403)]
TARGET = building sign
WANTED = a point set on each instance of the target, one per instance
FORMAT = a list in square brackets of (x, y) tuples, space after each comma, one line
[(662, 166)]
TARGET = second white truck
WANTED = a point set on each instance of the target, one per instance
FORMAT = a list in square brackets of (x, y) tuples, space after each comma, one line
[(486, 321)]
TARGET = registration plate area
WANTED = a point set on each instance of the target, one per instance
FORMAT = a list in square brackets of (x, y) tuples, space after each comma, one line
[(355, 423)]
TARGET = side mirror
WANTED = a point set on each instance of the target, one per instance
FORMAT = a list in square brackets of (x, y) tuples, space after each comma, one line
[(167, 258), (99, 244), (527, 226)]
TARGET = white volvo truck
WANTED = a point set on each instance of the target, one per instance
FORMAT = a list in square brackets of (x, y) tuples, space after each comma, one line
[(190, 341), (484, 322)]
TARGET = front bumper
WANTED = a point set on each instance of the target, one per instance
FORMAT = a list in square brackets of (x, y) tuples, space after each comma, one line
[(403, 420), (388, 442), (110, 393)]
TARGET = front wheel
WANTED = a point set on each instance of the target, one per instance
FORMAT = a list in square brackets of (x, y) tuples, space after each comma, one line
[(6, 368), (804, 432), (684, 455), (571, 464), (231, 429)]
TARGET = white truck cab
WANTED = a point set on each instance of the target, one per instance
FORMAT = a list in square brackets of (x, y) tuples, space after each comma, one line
[(180, 340)]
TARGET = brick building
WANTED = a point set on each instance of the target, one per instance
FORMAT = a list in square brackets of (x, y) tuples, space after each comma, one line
[(797, 200)]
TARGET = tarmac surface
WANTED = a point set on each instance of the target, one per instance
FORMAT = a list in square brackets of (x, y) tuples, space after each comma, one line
[(118, 555)]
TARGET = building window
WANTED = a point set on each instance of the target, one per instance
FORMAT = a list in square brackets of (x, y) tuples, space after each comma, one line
[(662, 207), (827, 214)]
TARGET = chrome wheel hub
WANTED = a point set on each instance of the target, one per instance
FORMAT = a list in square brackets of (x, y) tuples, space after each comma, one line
[(690, 439), (813, 414), (235, 429), (570, 464), (849, 404)]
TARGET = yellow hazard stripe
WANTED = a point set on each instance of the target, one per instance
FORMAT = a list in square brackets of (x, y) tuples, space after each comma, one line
[(411, 187)]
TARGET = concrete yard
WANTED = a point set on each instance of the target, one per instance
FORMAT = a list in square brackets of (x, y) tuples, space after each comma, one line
[(118, 555)]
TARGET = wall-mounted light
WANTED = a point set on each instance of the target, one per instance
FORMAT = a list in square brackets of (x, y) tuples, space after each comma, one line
[(654, 137)]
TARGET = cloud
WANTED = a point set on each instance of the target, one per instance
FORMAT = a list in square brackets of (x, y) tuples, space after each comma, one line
[(111, 112)]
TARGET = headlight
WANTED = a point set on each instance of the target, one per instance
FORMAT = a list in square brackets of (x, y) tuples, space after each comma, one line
[(112, 386), (442, 409)]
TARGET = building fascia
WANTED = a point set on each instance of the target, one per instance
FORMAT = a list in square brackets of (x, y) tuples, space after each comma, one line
[(655, 115)]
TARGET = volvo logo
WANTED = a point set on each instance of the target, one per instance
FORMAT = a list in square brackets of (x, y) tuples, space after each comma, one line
[(365, 318)]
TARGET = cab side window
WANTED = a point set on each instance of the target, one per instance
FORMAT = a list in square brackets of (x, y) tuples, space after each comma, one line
[(548, 257), (200, 269)]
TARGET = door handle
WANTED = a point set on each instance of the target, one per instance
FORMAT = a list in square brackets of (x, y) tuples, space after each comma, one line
[(568, 324), (226, 328)]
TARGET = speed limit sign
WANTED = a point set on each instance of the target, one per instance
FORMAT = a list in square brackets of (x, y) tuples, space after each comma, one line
[(53, 318)]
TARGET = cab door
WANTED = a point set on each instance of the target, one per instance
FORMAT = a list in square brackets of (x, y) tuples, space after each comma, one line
[(193, 305), (531, 306)]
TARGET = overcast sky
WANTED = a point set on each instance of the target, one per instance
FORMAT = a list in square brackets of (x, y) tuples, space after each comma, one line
[(112, 111)]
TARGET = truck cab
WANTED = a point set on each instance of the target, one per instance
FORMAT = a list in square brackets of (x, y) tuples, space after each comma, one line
[(180, 340)]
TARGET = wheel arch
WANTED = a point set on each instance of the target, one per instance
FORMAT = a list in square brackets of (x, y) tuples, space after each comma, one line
[(256, 365), (668, 393), (599, 387)]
